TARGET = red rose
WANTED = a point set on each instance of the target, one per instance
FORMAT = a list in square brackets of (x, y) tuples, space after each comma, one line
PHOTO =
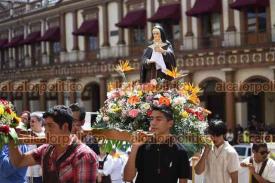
[(200, 116), (191, 111), (149, 113), (8, 110), (5, 129)]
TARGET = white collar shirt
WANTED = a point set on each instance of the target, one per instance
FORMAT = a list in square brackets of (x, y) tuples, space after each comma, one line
[(220, 162)]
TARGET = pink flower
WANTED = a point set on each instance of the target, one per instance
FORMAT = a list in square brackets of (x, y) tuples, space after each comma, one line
[(133, 113), (155, 102)]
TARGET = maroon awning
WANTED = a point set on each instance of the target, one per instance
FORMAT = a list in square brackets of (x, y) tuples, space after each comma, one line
[(32, 38), (171, 12), (3, 42), (204, 7), (133, 19), (15, 41), (51, 35), (241, 4), (87, 28)]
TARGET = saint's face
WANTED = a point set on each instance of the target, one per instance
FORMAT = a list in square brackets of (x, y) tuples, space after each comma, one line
[(156, 35)]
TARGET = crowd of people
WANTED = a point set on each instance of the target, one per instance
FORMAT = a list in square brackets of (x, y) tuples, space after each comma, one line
[(245, 134), (76, 161), (84, 160)]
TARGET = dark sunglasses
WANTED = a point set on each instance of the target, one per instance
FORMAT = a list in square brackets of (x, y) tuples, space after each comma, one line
[(264, 152)]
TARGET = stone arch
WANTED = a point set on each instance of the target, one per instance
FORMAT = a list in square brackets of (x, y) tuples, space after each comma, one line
[(256, 93)]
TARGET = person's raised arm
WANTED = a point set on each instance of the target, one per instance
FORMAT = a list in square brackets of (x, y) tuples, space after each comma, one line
[(200, 166), (19, 159), (130, 167)]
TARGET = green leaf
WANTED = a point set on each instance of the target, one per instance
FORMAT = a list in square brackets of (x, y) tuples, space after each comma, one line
[(6, 139), (13, 135), (1, 141)]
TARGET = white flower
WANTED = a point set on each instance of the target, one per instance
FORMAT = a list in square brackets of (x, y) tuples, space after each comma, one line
[(145, 106), (179, 100), (106, 118), (157, 96)]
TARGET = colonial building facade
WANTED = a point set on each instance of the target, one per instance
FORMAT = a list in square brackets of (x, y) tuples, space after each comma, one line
[(69, 48)]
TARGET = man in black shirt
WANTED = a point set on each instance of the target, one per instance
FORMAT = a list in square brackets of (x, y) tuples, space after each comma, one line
[(164, 161)]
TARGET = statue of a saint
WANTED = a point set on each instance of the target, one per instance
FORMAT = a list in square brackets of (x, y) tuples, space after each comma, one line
[(157, 57)]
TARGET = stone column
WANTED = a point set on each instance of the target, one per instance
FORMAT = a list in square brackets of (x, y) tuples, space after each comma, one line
[(229, 99), (43, 43), (60, 92), (120, 17), (231, 18), (189, 20), (102, 89), (60, 98), (75, 38), (72, 94), (25, 97), (63, 32), (105, 25), (42, 96)]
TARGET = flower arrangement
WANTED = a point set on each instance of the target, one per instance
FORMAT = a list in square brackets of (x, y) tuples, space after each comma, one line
[(8, 121), (128, 107)]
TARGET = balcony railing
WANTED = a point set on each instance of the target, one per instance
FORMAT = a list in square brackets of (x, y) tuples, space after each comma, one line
[(230, 40), (26, 8), (19, 10), (4, 15), (53, 59)]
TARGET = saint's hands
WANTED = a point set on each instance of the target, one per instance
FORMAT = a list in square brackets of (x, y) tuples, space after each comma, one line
[(159, 49), (150, 61)]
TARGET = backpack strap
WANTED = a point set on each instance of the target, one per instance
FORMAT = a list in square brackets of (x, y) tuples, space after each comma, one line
[(263, 167), (105, 158), (69, 151), (254, 180), (251, 160), (45, 167)]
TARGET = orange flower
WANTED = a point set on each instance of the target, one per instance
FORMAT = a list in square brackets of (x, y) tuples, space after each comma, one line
[(174, 73), (207, 111), (164, 101), (194, 99), (188, 89), (133, 100), (124, 66)]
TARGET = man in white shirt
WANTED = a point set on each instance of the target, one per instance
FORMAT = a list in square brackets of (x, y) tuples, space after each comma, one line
[(118, 163), (219, 162), (105, 167), (260, 166)]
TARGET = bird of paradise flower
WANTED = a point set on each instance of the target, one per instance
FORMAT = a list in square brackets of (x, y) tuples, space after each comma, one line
[(123, 67), (174, 73)]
